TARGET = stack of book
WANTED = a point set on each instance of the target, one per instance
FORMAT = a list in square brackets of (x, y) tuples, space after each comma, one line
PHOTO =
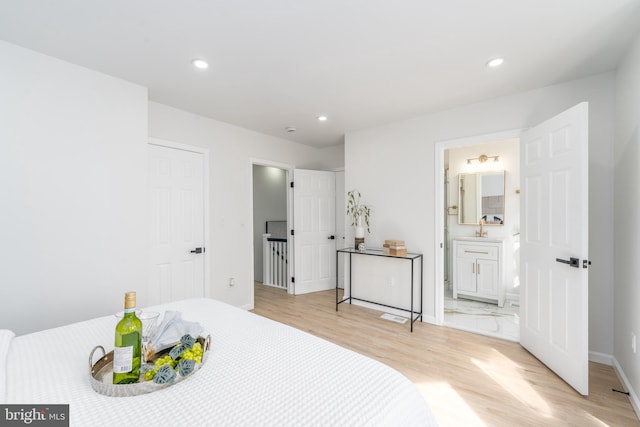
[(394, 247)]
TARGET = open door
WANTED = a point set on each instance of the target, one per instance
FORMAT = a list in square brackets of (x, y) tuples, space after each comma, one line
[(554, 245), (314, 230)]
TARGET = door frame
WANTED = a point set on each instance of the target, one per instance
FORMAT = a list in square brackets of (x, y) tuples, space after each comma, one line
[(206, 198), (340, 232), (439, 208), (289, 174)]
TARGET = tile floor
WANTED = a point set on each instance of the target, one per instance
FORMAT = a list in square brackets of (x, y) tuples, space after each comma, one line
[(482, 318)]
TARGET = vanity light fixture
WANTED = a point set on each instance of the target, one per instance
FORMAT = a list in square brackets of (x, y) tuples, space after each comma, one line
[(200, 63), (495, 62), (482, 159)]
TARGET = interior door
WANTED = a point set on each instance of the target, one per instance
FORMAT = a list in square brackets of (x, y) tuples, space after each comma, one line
[(176, 207), (314, 230), (554, 245)]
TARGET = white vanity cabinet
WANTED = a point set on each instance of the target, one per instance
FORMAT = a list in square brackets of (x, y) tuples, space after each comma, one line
[(477, 269)]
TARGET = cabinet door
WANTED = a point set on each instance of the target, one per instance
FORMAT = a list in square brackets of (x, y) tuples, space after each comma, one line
[(465, 275), (487, 278)]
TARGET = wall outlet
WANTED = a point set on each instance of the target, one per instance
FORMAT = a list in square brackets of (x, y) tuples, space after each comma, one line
[(633, 342), (232, 282)]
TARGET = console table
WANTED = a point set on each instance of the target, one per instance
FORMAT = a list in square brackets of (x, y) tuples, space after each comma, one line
[(410, 257)]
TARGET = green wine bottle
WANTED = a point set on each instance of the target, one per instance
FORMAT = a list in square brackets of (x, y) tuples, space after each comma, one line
[(127, 350)]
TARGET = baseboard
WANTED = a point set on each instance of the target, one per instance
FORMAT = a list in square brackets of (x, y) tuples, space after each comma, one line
[(247, 307), (605, 359), (633, 397), (430, 319), (513, 297)]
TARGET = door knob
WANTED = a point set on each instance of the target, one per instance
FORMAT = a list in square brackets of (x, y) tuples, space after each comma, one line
[(331, 237), (573, 262), (197, 251)]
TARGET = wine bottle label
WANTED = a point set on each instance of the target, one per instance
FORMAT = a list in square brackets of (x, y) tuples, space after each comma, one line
[(122, 359)]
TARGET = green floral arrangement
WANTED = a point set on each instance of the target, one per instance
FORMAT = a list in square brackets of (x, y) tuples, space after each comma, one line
[(358, 210)]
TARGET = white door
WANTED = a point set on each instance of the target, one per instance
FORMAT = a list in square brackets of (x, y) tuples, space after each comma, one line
[(554, 227), (314, 230), (176, 206)]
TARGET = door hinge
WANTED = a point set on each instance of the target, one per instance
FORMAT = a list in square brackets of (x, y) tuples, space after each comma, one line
[(292, 233), (291, 184), (293, 279)]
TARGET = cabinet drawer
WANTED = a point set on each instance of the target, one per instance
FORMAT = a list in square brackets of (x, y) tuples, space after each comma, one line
[(477, 251)]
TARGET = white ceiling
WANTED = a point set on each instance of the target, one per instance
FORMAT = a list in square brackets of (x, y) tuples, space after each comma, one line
[(282, 63)]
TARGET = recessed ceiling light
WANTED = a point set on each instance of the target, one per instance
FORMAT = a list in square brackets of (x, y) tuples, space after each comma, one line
[(200, 63), (290, 129), (495, 62), (322, 118)]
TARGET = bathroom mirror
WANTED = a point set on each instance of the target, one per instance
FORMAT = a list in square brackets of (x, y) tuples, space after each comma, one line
[(481, 196)]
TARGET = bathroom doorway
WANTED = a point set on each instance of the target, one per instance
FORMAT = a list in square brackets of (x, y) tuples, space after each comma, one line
[(480, 274)]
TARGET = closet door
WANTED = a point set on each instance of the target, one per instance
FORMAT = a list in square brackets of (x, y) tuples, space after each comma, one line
[(176, 224)]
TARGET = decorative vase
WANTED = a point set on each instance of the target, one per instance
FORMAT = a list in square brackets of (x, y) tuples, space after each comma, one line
[(359, 234)]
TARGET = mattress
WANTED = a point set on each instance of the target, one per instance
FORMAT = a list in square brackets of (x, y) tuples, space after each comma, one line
[(258, 372)]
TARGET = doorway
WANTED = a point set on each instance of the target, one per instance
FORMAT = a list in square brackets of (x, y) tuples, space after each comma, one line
[(490, 305), (271, 246), (314, 231), (553, 244)]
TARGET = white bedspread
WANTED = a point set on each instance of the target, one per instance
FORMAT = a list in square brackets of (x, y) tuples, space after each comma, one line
[(259, 373), (6, 337)]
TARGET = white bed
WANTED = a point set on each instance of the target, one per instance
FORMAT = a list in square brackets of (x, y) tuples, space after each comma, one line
[(258, 373)]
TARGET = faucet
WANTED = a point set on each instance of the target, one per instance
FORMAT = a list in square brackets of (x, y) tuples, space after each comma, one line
[(481, 233)]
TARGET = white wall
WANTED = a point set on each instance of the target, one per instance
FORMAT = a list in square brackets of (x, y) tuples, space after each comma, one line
[(627, 216), (73, 191), (393, 167), (269, 204), (232, 150), (509, 154), (332, 157)]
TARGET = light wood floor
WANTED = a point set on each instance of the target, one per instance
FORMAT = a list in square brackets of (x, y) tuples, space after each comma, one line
[(467, 379)]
